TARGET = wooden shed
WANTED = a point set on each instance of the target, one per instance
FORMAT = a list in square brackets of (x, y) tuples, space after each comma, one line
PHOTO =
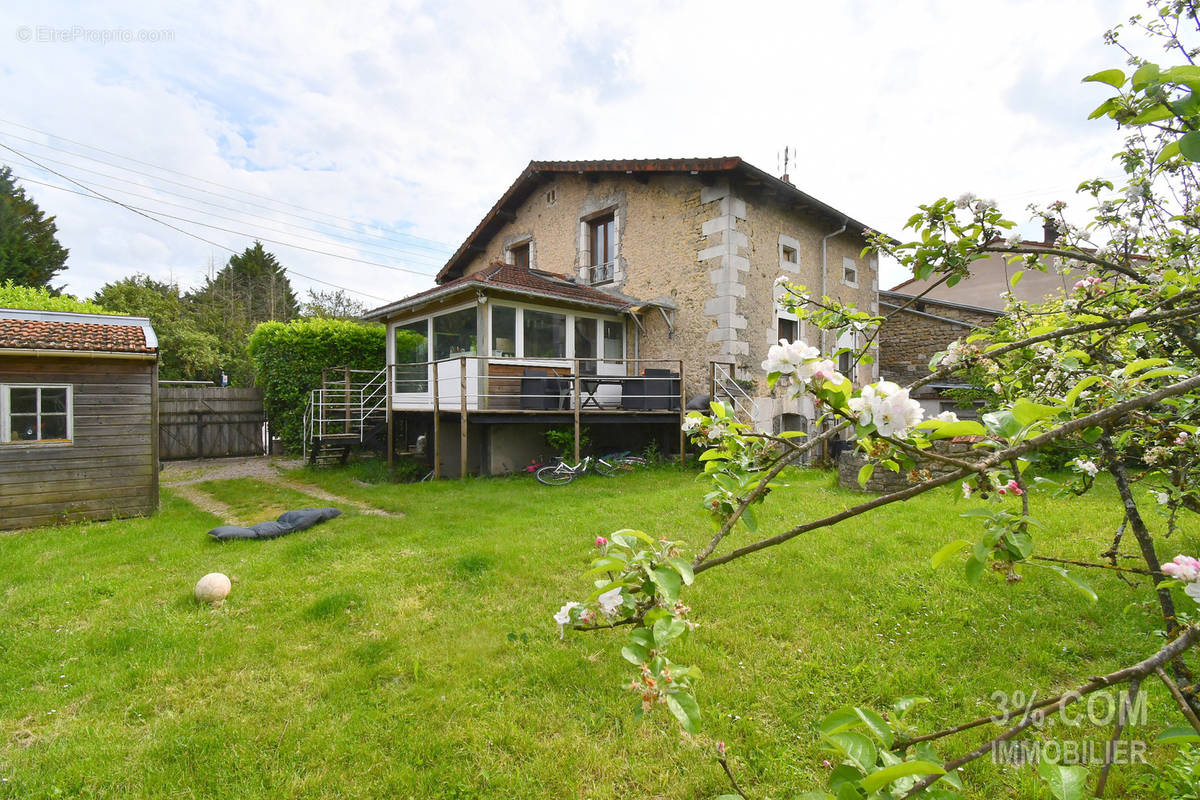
[(78, 417)]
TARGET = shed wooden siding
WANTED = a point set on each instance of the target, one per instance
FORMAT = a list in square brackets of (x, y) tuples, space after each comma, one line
[(111, 467)]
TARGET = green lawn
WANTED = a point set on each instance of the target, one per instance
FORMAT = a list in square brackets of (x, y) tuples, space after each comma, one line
[(372, 657)]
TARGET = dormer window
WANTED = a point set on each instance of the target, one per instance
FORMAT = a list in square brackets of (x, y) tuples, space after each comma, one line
[(602, 248), (520, 255)]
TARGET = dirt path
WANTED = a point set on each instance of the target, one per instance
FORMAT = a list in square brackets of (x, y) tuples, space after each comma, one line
[(181, 477)]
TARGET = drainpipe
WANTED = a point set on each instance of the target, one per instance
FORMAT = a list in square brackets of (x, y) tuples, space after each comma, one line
[(825, 271)]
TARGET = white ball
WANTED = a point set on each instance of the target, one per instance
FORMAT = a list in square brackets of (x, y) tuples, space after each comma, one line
[(213, 588)]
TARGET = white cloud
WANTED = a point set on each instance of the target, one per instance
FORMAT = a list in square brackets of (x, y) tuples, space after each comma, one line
[(415, 117)]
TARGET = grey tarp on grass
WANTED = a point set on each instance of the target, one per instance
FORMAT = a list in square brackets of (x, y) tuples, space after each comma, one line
[(288, 522)]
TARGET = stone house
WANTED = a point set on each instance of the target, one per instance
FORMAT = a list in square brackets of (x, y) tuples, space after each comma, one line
[(630, 271), (923, 317)]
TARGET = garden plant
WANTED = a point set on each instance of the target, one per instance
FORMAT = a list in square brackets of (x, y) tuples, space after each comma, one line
[(1109, 373)]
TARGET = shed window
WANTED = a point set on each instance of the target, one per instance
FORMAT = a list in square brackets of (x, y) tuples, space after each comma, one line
[(454, 334), (412, 351), (35, 414)]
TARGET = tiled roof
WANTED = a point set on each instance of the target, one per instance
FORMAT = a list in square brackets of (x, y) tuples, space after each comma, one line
[(528, 181), (499, 276), (27, 334)]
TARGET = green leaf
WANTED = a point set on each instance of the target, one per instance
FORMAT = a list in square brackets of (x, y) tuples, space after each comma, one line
[(1015, 279), (975, 567), (1113, 77), (686, 710), (954, 547), (1073, 395), (856, 748), (1170, 151), (749, 520), (1065, 783), (840, 720), (1027, 412), (1144, 363), (1002, 423), (1092, 434), (1178, 734), (668, 629), (964, 427), (877, 726), (1189, 146), (634, 654), (864, 474), (1146, 74), (668, 582), (683, 568), (877, 780)]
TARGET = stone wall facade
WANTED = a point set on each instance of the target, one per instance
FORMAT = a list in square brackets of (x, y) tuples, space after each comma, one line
[(909, 338), (884, 481), (712, 249)]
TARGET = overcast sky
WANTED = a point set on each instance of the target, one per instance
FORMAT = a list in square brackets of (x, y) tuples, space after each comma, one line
[(383, 131)]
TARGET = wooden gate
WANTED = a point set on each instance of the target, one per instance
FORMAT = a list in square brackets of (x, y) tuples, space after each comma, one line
[(210, 423)]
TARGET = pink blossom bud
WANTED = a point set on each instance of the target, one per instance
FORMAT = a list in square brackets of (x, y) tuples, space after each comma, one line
[(721, 749), (601, 541), (1015, 488), (1002, 490)]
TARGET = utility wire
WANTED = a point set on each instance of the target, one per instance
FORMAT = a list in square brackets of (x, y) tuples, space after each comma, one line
[(442, 249), (354, 246), (204, 180), (142, 213)]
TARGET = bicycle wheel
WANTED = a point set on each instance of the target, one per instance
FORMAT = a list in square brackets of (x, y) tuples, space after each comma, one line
[(617, 466), (554, 475)]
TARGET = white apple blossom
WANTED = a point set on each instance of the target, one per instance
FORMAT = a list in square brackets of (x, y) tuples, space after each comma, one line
[(610, 601), (786, 356), (1089, 467), (888, 407), (563, 617), (1138, 312), (947, 416), (690, 423)]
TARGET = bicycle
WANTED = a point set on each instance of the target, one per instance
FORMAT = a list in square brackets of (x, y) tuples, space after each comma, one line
[(562, 473)]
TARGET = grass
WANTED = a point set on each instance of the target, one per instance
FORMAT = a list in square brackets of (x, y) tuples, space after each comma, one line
[(415, 656)]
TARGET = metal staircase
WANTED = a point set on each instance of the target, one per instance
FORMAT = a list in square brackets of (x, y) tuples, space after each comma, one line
[(348, 410), (726, 389)]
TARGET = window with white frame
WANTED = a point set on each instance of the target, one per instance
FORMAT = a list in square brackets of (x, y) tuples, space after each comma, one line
[(789, 253), (36, 413), (850, 272), (787, 324), (541, 333), (601, 231), (847, 342)]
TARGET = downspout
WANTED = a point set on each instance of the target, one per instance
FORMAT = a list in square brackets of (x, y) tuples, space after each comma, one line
[(825, 271)]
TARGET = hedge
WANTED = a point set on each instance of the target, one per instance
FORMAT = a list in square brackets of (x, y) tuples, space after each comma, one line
[(288, 359), (39, 298)]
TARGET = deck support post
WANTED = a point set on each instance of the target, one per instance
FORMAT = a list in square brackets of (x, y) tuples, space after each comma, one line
[(462, 417), (682, 412), (575, 392), (391, 425), (437, 427)]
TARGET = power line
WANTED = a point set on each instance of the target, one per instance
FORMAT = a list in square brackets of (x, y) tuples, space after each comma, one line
[(141, 213), (203, 180), (217, 216), (146, 211), (442, 247)]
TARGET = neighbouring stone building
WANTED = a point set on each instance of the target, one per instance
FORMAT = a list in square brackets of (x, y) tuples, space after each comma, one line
[(686, 253), (924, 317)]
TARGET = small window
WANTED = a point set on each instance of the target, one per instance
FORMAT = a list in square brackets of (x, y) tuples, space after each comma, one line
[(844, 363), (789, 329), (602, 233), (551, 197), (520, 255), (35, 414), (849, 272), (788, 255)]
